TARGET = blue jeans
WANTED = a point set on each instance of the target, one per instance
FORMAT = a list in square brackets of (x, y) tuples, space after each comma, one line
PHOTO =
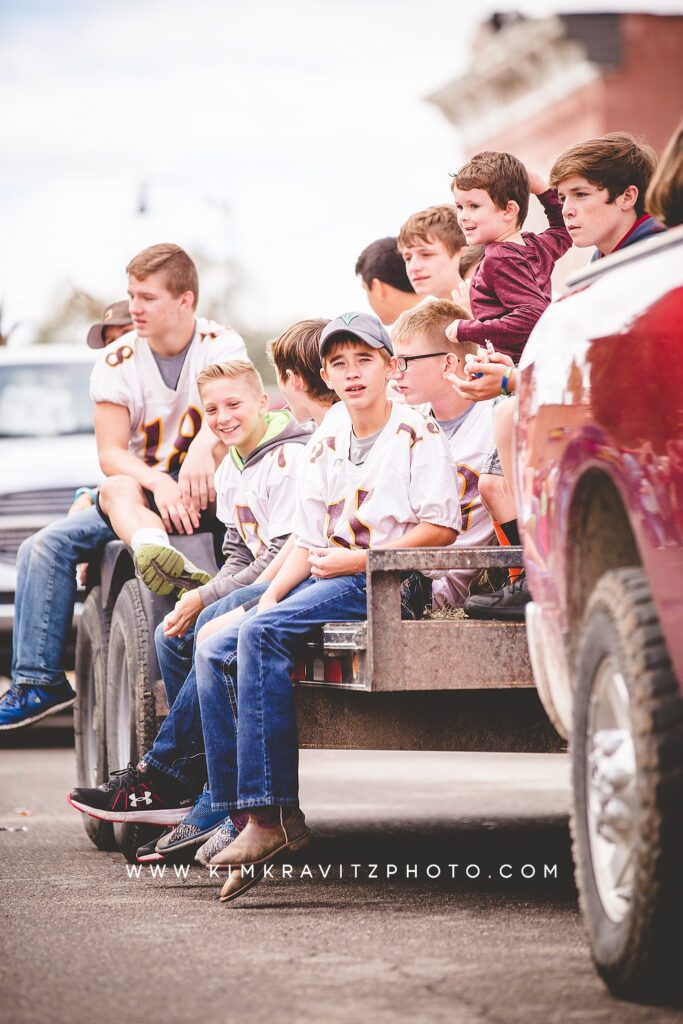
[(180, 741), (46, 593), (253, 759)]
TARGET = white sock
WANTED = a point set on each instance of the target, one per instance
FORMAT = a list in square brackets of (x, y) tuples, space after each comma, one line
[(149, 535)]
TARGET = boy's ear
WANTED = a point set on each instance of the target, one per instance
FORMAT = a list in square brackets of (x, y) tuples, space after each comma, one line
[(452, 365), (512, 210), (187, 300), (294, 379), (392, 367), (324, 376), (628, 198)]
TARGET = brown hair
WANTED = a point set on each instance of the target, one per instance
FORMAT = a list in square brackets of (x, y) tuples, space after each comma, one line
[(470, 257), (502, 175), (613, 162), (430, 320), (298, 349), (436, 222), (664, 199), (180, 273), (233, 370)]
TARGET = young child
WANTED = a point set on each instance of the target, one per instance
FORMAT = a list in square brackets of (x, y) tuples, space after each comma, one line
[(602, 185), (425, 359), (431, 243), (384, 477), (174, 769), (511, 287)]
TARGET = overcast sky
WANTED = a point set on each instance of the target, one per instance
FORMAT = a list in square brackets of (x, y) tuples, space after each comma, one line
[(282, 134)]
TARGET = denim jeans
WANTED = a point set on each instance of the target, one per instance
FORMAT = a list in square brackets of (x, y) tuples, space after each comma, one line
[(46, 593), (253, 759), (178, 749)]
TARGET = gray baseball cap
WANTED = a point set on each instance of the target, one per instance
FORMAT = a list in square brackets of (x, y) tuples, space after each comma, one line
[(363, 326)]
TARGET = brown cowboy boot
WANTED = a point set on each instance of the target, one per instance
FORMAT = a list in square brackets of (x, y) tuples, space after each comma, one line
[(257, 843), (238, 881)]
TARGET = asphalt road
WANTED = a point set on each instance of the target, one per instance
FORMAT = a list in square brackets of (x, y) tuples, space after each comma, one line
[(84, 942)]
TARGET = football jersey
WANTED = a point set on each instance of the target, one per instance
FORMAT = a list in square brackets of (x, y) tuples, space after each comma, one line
[(259, 500), (470, 446), (407, 478), (163, 422)]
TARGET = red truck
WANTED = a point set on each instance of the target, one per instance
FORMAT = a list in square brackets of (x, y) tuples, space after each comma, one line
[(600, 473)]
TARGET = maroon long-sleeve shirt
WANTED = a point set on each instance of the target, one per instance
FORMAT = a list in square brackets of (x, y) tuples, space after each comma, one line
[(511, 286)]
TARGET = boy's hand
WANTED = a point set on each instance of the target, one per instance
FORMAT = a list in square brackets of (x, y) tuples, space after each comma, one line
[(487, 382), (326, 563), (461, 294), (452, 331), (537, 184), (196, 478), (172, 508), (184, 615)]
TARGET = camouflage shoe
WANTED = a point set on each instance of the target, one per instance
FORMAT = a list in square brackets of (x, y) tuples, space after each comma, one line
[(165, 570)]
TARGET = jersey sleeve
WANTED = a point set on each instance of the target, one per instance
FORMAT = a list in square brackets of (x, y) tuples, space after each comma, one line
[(282, 489), (434, 491), (224, 510), (108, 382), (226, 346)]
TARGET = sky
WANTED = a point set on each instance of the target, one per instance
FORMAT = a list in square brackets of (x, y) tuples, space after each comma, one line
[(281, 137)]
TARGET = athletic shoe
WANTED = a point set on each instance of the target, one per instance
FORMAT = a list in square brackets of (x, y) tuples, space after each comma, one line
[(24, 705), (135, 795), (147, 854), (165, 570), (225, 835), (198, 826), (506, 605)]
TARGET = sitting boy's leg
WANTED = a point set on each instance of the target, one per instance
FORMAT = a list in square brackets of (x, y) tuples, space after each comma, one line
[(267, 749), (133, 515), (46, 594)]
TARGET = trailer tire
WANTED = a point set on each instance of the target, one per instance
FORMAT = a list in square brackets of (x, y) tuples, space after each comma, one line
[(627, 775), (89, 717), (131, 715)]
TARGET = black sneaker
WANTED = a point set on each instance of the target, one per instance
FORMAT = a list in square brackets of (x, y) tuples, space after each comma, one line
[(506, 605), (148, 854), (143, 796)]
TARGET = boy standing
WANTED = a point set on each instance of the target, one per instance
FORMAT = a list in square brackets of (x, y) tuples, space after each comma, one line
[(511, 287), (431, 243), (384, 477), (602, 185)]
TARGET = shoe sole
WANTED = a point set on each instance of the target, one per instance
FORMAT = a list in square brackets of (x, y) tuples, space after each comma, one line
[(166, 572), (150, 858), (43, 714), (295, 844), (170, 817), (249, 884), (195, 841)]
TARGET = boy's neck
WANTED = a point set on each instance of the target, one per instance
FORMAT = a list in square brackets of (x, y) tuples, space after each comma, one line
[(447, 404), (174, 341), (319, 412), (620, 232), (366, 422), (252, 442), (513, 235)]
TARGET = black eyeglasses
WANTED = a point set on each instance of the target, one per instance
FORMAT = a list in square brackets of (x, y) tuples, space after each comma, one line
[(402, 361)]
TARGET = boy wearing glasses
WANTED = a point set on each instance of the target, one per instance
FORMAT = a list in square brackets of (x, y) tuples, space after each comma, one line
[(425, 357)]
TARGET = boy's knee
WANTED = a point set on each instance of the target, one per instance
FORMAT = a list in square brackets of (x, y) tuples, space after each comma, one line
[(116, 487)]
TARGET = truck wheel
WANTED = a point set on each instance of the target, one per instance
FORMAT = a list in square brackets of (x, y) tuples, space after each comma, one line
[(131, 718), (627, 771), (89, 719)]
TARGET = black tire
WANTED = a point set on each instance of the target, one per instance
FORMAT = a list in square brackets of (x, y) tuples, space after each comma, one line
[(131, 716), (89, 717), (635, 931)]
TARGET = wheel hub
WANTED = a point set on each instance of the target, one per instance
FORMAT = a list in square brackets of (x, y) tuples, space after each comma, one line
[(612, 791)]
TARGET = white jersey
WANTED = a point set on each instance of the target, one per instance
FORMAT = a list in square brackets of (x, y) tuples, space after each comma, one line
[(408, 477), (259, 500), (470, 447), (163, 422)]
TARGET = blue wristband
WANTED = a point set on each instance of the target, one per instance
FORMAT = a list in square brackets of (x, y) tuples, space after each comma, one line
[(505, 382)]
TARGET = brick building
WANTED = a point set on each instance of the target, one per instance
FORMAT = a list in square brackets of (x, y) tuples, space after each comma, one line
[(537, 86)]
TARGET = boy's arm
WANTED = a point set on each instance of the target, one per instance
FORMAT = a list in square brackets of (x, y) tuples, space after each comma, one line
[(294, 571), (197, 470), (328, 563), (516, 290), (238, 557), (555, 239)]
